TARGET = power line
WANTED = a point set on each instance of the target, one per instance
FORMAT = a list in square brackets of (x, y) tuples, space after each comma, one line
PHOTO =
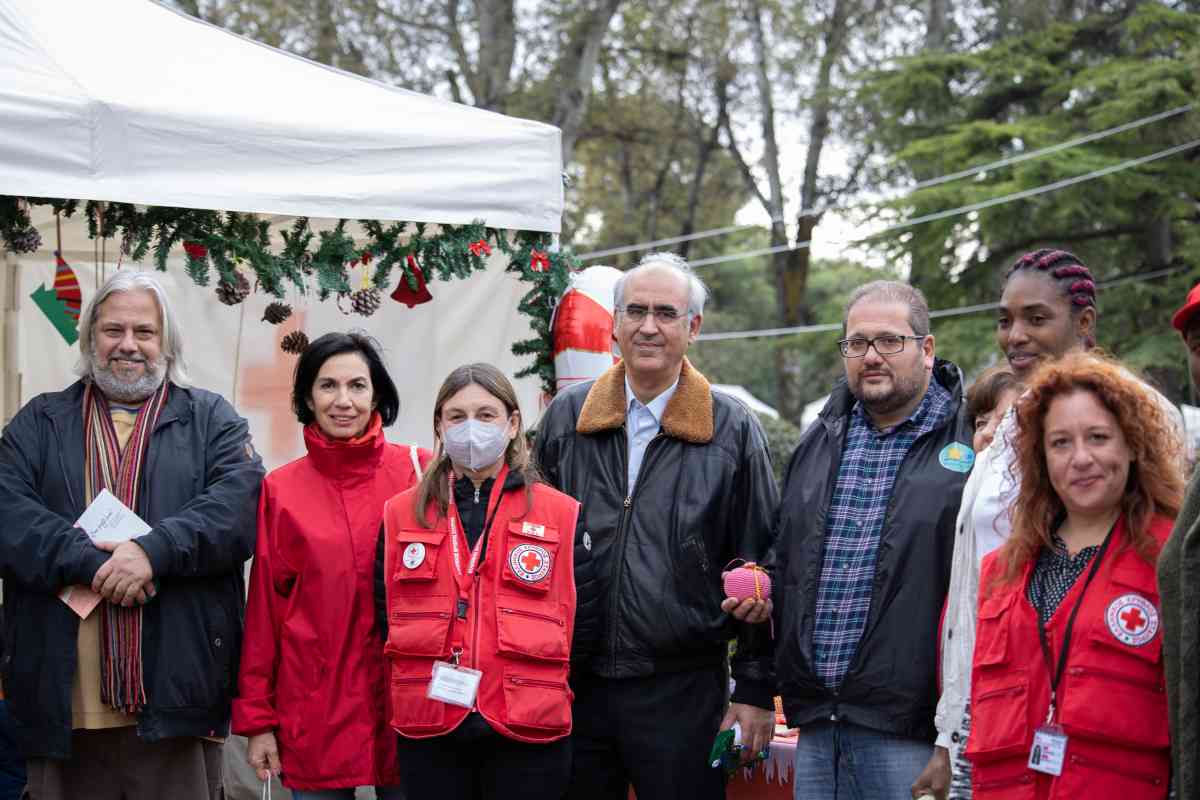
[(926, 184), (944, 312), (954, 212)]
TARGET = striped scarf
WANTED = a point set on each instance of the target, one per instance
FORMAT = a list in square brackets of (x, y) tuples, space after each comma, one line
[(106, 466)]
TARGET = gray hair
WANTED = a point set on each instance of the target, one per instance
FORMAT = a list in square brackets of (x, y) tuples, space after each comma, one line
[(697, 291), (128, 280), (893, 292)]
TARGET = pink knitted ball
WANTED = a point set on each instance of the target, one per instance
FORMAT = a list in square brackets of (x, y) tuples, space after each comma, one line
[(746, 582)]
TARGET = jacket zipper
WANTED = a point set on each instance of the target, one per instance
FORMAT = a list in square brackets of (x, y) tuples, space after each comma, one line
[(1002, 782), (999, 692), (409, 679), (1147, 686), (522, 613), (398, 615), (535, 682), (62, 464), (619, 545), (1090, 763)]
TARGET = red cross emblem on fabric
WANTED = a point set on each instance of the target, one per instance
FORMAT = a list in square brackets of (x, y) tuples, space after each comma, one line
[(529, 563), (1133, 619)]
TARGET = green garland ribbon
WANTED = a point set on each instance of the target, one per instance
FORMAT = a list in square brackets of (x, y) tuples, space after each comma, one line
[(317, 262)]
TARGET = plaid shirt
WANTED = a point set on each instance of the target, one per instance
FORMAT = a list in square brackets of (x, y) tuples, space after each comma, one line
[(870, 461)]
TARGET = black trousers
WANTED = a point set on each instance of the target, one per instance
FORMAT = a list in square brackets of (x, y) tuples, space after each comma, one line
[(654, 733), (473, 762)]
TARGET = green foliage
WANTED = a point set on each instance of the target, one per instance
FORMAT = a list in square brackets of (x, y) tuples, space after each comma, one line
[(943, 112), (782, 438)]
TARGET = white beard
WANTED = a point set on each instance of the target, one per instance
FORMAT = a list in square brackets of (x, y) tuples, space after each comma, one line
[(123, 391)]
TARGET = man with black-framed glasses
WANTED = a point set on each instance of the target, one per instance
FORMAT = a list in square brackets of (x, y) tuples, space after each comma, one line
[(863, 546)]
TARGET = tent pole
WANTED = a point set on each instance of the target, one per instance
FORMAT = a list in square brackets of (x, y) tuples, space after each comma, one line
[(237, 353), (10, 375)]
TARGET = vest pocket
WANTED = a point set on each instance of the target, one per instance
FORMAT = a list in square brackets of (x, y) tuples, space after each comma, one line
[(527, 632), (1083, 774), (537, 702), (530, 551), (1113, 705), (411, 709), (419, 626), (417, 555)]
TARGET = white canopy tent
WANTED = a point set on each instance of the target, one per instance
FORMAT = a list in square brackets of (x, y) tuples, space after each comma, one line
[(130, 101)]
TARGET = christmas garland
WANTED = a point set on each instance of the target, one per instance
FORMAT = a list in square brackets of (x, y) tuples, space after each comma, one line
[(318, 262)]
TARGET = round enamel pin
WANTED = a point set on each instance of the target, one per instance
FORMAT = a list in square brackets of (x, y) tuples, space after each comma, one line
[(414, 555), (529, 562), (957, 457), (1132, 619)]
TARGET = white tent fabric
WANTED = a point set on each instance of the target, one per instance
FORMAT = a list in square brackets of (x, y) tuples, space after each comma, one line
[(130, 101)]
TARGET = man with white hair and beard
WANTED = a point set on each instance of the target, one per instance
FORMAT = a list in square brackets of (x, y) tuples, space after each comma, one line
[(133, 701), (862, 550)]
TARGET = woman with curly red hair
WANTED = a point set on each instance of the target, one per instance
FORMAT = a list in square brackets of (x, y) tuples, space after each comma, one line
[(1067, 681)]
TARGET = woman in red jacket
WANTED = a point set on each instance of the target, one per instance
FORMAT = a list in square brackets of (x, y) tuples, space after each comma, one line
[(311, 691), (480, 605), (1067, 693)]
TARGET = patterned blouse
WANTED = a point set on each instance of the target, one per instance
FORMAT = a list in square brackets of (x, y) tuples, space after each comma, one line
[(1054, 574)]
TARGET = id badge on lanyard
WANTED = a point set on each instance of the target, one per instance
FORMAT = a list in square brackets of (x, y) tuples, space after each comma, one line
[(1048, 752), (452, 682)]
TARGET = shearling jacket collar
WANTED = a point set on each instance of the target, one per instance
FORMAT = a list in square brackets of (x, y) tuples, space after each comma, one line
[(689, 414)]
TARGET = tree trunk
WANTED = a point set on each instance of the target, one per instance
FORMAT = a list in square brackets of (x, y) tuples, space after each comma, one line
[(326, 50), (792, 267), (497, 46), (575, 70), (937, 25)]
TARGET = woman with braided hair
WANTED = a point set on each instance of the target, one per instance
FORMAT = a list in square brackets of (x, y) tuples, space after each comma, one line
[(1048, 308)]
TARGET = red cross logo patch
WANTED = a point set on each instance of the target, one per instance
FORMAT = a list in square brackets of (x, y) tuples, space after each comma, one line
[(1132, 619), (529, 562)]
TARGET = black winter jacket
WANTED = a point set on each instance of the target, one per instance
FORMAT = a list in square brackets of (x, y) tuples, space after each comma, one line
[(200, 495), (705, 495), (892, 682)]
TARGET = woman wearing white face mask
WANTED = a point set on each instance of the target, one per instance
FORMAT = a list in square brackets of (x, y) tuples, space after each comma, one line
[(477, 563)]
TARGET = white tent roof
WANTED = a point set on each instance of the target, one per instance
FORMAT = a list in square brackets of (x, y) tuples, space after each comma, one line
[(130, 101), (749, 400)]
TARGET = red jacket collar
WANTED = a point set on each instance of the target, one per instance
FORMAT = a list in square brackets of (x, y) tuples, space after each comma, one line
[(340, 459)]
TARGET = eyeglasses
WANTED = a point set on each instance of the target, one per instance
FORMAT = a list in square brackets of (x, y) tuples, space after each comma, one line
[(664, 315), (886, 345)]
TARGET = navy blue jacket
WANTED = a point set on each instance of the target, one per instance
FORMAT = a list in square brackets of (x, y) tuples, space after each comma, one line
[(199, 493)]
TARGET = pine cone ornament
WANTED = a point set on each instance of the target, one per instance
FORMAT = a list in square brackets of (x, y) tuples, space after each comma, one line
[(366, 301), (27, 240), (233, 293), (295, 343), (277, 312)]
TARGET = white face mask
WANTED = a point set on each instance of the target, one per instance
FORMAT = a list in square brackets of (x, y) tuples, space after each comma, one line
[(474, 444)]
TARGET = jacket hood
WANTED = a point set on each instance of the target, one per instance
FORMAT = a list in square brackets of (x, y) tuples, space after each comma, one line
[(841, 401), (688, 416)]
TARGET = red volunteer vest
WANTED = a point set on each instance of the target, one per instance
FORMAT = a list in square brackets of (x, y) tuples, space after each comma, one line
[(518, 622), (1111, 701)]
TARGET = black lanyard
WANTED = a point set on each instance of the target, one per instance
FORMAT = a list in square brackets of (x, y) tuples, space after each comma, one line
[(1056, 672)]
